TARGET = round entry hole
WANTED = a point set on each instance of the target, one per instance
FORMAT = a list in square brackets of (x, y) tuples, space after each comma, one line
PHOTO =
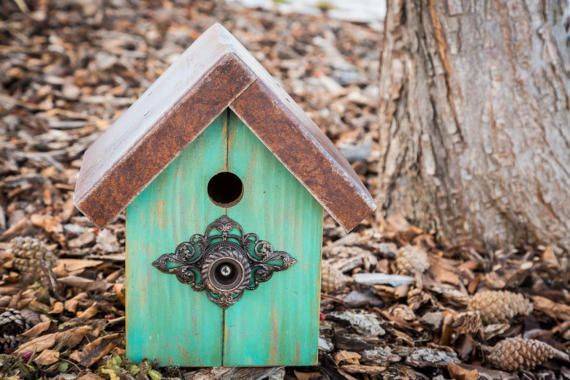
[(225, 189)]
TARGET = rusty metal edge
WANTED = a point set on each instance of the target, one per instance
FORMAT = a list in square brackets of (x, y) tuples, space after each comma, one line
[(106, 198), (304, 150), (343, 196)]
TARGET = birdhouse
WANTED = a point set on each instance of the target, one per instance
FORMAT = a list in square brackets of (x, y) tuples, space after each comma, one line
[(224, 180)]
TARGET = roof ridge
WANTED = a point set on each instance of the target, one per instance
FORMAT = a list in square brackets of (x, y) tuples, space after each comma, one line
[(214, 73)]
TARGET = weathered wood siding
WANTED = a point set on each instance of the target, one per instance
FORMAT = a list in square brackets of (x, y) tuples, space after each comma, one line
[(276, 324), (166, 320)]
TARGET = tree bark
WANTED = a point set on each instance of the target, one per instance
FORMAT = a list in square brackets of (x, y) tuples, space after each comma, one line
[(474, 120)]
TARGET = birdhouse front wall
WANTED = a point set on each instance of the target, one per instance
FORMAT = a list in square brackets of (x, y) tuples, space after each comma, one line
[(275, 324)]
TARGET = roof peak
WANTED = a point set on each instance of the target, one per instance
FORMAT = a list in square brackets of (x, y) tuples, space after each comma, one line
[(214, 73)]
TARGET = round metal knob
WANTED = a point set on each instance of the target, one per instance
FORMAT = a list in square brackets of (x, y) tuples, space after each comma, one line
[(226, 273), (226, 269)]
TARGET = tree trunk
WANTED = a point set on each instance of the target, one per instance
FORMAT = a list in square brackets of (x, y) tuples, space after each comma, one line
[(474, 120)]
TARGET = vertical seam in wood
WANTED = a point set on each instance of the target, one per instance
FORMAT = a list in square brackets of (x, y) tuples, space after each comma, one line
[(222, 360), (227, 166), (227, 127), (227, 131)]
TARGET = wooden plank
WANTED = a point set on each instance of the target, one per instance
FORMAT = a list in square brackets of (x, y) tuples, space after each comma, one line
[(277, 323), (168, 321)]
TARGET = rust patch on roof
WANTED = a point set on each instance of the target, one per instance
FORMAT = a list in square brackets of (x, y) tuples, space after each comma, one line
[(216, 72)]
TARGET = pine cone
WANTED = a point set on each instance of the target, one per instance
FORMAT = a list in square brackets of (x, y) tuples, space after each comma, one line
[(411, 260), (13, 323), (332, 279), (8, 343), (31, 258), (513, 354), (499, 306)]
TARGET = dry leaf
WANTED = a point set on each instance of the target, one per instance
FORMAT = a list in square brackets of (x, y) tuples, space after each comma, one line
[(363, 369), (38, 307), (71, 304), (458, 372), (37, 329), (82, 240), (72, 337), (38, 344), (47, 222), (88, 313), (346, 357), (554, 310), (65, 267), (57, 308), (490, 331), (94, 351), (443, 271), (77, 282), (47, 357), (119, 290), (550, 258)]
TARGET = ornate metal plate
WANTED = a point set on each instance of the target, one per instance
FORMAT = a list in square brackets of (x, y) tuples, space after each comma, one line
[(224, 261)]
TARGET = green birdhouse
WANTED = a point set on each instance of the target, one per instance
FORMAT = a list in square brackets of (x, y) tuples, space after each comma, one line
[(224, 180)]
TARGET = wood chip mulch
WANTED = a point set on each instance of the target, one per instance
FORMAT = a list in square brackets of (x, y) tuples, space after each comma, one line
[(396, 303)]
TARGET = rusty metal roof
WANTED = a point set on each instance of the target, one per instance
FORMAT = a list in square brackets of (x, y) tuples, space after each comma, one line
[(214, 73)]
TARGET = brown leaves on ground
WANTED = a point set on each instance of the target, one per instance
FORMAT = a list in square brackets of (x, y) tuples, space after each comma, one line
[(65, 339), (398, 302), (461, 373), (94, 351), (47, 357), (554, 310), (449, 312)]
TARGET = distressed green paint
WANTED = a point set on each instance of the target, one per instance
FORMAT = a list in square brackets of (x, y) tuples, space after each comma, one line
[(277, 323), (167, 321)]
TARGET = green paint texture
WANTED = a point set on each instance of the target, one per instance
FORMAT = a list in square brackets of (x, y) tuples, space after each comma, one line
[(275, 324)]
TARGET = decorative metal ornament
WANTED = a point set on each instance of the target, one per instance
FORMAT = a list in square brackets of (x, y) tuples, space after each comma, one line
[(224, 261)]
